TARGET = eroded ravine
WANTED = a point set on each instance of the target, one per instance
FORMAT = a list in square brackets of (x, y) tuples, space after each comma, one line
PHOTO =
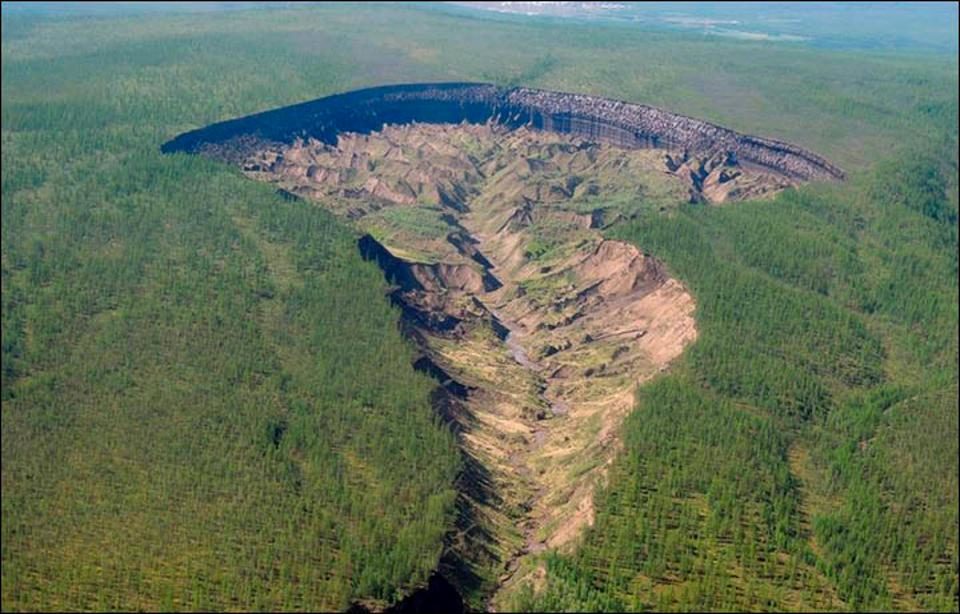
[(538, 328), (487, 220)]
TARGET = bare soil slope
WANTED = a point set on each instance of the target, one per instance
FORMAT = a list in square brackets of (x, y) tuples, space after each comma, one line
[(538, 328)]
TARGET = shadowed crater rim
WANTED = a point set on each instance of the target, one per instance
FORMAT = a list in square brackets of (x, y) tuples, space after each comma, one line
[(606, 120)]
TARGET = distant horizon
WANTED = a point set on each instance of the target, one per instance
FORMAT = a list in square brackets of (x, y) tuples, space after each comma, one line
[(927, 27), (874, 24)]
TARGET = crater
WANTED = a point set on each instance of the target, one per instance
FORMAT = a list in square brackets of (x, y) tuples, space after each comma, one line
[(484, 207)]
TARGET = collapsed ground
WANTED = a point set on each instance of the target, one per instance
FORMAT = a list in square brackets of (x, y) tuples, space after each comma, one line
[(537, 327)]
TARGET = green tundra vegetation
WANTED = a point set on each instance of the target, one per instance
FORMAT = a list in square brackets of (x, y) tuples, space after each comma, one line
[(207, 402)]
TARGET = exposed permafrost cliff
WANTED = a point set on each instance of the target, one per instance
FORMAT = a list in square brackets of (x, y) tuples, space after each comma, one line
[(486, 216), (620, 123)]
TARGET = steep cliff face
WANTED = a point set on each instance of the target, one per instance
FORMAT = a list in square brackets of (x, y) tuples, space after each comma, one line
[(598, 119)]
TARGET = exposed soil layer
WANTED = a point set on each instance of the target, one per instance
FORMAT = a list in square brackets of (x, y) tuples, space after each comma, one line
[(487, 220), (598, 119)]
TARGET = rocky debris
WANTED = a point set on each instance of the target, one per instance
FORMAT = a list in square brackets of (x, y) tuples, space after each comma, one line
[(402, 165), (550, 349), (720, 178), (615, 269), (443, 277)]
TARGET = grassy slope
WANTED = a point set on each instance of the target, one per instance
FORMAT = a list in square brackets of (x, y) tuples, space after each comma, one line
[(110, 297)]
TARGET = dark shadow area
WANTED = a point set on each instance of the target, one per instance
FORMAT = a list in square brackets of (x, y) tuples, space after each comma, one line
[(395, 270), (287, 195), (465, 244), (425, 364), (470, 546), (438, 597)]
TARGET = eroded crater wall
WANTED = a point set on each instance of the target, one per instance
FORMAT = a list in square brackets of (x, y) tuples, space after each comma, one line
[(611, 121)]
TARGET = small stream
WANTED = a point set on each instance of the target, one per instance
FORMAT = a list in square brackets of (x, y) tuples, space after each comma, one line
[(519, 354), (516, 350)]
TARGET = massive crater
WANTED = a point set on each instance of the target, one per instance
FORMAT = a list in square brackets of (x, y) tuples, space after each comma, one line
[(485, 208)]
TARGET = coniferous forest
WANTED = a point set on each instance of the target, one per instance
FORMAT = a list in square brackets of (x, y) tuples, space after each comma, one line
[(208, 402)]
